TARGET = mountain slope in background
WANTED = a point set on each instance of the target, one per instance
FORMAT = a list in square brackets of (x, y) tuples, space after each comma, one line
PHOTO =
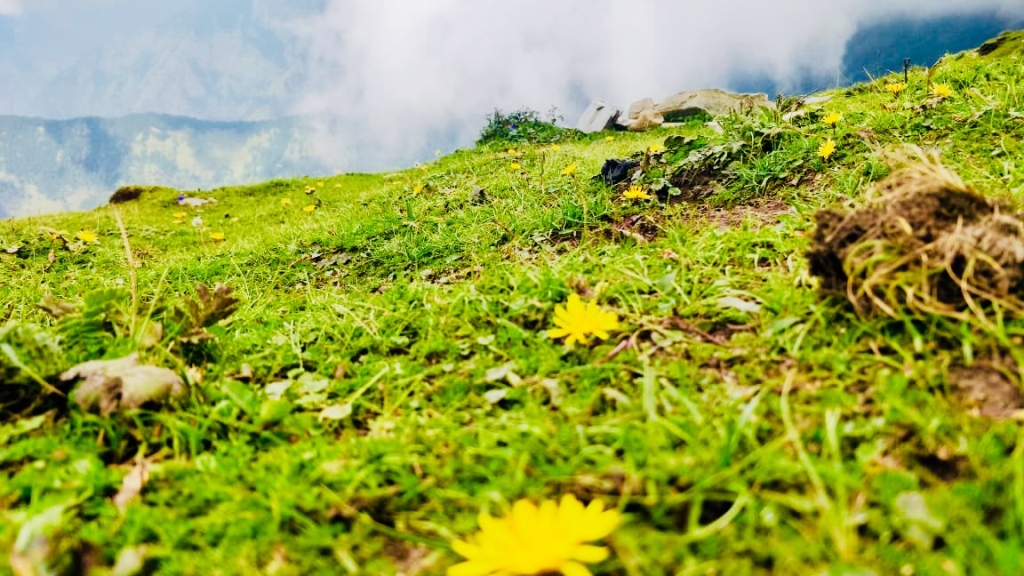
[(226, 60), (880, 47), (55, 165)]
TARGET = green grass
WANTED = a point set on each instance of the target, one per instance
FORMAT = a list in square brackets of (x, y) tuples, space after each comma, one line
[(788, 436)]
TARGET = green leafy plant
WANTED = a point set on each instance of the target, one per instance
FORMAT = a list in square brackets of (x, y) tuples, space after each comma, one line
[(524, 126)]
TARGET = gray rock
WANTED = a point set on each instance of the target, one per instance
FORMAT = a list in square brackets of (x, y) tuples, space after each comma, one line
[(712, 101), (598, 116)]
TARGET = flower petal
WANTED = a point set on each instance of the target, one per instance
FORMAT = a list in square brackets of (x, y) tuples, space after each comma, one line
[(590, 554), (470, 569), (467, 550), (572, 569)]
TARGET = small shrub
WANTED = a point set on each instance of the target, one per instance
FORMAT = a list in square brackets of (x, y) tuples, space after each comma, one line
[(524, 125), (127, 194)]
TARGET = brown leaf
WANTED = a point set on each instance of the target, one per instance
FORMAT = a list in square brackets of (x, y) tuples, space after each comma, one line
[(210, 308), (57, 308), (123, 384), (131, 486)]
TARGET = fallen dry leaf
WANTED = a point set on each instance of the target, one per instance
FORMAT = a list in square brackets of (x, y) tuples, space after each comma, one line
[(123, 384)]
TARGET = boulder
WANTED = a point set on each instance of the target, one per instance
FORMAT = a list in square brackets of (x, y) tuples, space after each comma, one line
[(639, 106), (640, 117), (711, 101), (644, 121), (598, 116)]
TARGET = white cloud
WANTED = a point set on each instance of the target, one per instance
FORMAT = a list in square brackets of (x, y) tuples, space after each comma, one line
[(10, 7), (392, 75)]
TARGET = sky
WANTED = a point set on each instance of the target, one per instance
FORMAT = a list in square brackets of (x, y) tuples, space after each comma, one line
[(406, 75)]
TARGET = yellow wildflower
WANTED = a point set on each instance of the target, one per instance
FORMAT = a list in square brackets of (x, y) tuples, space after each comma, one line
[(320, 184), (309, 208), (636, 192), (555, 147), (515, 166), (832, 118), (513, 152), (286, 201), (609, 138), (87, 236), (178, 215), (570, 169), (827, 148), (655, 148), (417, 189), (576, 321), (217, 236), (531, 539), (942, 91), (895, 88)]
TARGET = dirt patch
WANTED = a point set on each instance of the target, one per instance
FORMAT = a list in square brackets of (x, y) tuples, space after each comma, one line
[(764, 213), (639, 227), (926, 243), (986, 391)]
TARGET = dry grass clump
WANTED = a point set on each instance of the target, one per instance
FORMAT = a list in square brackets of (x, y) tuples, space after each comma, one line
[(926, 243)]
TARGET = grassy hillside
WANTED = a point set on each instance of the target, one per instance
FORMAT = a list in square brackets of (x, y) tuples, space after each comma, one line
[(388, 371)]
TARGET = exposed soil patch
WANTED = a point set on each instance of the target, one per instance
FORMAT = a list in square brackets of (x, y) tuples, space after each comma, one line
[(926, 243), (764, 213), (640, 227), (986, 391)]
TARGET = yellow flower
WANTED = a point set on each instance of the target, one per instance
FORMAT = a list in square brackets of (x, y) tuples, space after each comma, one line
[(827, 148), (320, 184), (832, 118), (609, 138), (286, 201), (87, 236), (178, 215), (531, 540), (555, 147), (515, 165), (895, 88), (942, 90), (309, 209), (655, 148), (417, 189), (577, 321), (636, 192), (217, 236), (513, 152), (571, 168)]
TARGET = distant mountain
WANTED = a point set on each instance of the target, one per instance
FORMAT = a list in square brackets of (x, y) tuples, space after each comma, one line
[(878, 48), (231, 59), (56, 165)]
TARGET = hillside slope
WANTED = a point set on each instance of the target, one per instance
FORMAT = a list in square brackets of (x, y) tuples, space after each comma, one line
[(59, 165), (389, 371)]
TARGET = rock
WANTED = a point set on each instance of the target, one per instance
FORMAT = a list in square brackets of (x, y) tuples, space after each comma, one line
[(645, 120), (712, 101), (195, 202), (597, 117), (635, 110), (640, 106), (615, 171)]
